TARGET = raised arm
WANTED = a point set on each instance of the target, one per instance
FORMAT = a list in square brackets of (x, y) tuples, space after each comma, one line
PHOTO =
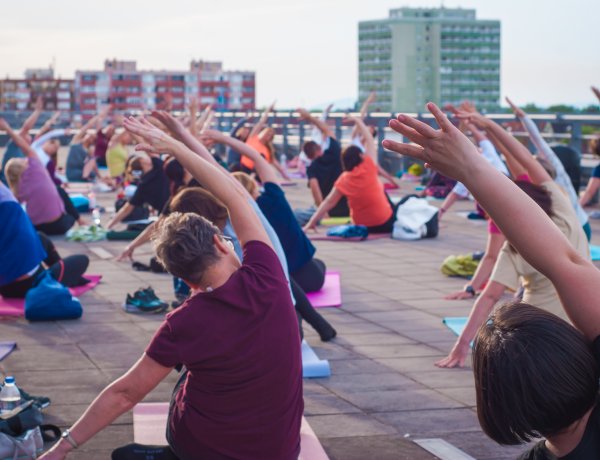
[(49, 124), (18, 139), (596, 91), (515, 168), (33, 118), (193, 109), (262, 121), (263, 167), (364, 110), (512, 147), (78, 138), (369, 144), (246, 223), (519, 218), (318, 123)]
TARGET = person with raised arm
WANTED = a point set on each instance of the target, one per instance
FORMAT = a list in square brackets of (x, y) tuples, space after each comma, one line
[(32, 185), (545, 152), (511, 270), (12, 151), (324, 169), (81, 163), (307, 273), (237, 335), (359, 183), (534, 373)]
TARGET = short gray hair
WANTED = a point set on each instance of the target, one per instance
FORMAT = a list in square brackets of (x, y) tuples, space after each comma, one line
[(184, 245)]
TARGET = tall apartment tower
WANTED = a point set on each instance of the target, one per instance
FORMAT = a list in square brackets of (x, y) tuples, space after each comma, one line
[(444, 55)]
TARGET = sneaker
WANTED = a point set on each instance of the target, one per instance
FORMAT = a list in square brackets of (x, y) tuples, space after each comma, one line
[(144, 300)]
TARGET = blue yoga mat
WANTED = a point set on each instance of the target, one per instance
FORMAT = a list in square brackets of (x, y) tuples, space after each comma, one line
[(595, 252), (456, 324), (312, 366)]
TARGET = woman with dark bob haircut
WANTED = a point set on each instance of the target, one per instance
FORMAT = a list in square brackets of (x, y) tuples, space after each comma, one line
[(535, 374), (359, 183)]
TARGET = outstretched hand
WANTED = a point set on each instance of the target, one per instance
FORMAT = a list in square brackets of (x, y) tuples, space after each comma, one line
[(519, 113), (169, 121), (156, 141), (446, 150), (456, 358)]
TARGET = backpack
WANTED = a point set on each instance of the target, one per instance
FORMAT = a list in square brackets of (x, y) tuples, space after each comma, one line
[(49, 300), (415, 219)]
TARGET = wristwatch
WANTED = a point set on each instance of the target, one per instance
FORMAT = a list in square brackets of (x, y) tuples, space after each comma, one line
[(469, 289), (66, 435)]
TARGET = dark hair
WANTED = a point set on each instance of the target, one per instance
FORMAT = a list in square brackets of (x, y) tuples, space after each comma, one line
[(201, 202), (310, 148), (538, 194), (351, 157), (535, 374), (175, 172)]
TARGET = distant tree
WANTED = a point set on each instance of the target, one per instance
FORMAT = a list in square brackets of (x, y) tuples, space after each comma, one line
[(562, 108), (592, 108), (532, 108)]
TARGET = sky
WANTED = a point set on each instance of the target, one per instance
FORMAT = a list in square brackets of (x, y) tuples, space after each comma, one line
[(304, 52)]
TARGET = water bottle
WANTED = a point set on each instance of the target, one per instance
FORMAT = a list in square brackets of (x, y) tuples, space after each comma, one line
[(96, 217), (92, 200), (10, 397)]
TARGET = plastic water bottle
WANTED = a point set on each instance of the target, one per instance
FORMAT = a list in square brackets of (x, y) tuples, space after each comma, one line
[(10, 397), (92, 200), (96, 217)]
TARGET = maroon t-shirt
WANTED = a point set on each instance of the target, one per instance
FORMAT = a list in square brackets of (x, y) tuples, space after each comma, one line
[(240, 343), (101, 144)]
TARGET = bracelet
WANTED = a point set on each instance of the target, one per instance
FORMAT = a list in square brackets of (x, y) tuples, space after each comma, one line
[(469, 289), (66, 435)]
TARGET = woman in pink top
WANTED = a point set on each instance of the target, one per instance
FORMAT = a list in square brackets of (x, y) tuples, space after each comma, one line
[(31, 184)]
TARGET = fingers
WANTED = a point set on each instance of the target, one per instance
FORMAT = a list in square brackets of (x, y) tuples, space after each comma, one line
[(422, 128), (440, 117), (145, 148), (412, 151), (407, 131)]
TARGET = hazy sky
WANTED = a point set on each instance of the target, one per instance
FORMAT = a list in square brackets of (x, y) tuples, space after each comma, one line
[(304, 52)]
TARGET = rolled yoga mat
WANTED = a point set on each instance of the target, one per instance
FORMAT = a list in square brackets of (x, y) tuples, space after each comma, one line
[(312, 366)]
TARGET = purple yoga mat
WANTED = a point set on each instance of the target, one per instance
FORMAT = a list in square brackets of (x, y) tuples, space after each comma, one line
[(16, 307), (330, 294)]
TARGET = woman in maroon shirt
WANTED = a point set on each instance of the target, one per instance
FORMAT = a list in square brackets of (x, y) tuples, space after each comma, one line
[(237, 335)]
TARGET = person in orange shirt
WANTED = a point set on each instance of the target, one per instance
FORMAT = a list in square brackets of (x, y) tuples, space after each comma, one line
[(359, 183), (261, 139)]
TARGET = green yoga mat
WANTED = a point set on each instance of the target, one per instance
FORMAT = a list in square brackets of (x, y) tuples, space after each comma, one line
[(333, 221)]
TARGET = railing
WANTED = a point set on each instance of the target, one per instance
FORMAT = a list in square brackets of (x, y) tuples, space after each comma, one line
[(291, 132)]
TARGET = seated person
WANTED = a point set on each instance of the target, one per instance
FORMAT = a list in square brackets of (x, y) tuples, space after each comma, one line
[(152, 189), (594, 183), (325, 168), (369, 205), (116, 154), (535, 375), (48, 207), (81, 164), (25, 253), (256, 374)]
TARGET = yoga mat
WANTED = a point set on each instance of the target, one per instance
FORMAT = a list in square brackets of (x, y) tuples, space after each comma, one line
[(296, 175), (455, 324), (595, 252), (330, 295), (333, 221), (16, 307), (6, 348), (312, 366), (324, 237), (150, 422), (388, 186), (287, 184)]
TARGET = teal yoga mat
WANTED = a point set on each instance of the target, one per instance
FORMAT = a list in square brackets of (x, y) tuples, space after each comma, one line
[(312, 366), (456, 324), (595, 252)]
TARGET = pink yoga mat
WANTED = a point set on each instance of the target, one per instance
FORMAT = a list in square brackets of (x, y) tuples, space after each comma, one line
[(330, 294), (150, 422), (324, 237), (16, 307)]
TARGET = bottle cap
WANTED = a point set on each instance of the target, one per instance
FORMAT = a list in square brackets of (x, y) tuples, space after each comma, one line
[(9, 379)]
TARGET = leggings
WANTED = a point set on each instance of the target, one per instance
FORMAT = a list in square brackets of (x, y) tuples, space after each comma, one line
[(70, 208), (308, 313), (72, 268), (311, 276), (58, 227), (388, 226)]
